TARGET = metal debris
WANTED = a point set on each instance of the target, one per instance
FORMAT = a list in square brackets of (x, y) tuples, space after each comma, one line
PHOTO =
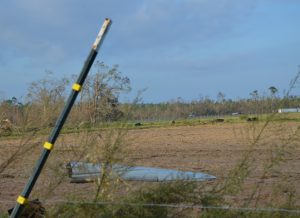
[(86, 172)]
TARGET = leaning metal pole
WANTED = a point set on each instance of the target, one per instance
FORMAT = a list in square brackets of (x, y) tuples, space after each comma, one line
[(48, 146)]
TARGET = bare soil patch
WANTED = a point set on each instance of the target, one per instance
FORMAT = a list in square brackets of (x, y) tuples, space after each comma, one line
[(211, 148)]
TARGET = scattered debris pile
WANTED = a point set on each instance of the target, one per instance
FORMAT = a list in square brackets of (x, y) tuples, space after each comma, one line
[(33, 209), (6, 127), (251, 119)]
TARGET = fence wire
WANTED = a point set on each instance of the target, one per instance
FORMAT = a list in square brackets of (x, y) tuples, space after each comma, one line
[(182, 206)]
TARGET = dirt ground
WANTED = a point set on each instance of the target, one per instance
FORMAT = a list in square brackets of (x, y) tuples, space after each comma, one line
[(212, 148)]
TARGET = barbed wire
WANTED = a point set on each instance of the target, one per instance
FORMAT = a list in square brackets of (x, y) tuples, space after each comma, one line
[(183, 206)]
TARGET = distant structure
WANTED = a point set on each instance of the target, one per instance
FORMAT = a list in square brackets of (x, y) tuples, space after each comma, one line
[(288, 110)]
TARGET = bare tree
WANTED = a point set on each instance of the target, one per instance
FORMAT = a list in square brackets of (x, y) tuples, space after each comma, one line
[(47, 96), (101, 92)]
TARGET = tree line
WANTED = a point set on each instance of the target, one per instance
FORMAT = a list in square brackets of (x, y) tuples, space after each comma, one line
[(99, 102)]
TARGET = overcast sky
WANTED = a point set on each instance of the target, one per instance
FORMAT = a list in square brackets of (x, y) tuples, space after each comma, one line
[(173, 48)]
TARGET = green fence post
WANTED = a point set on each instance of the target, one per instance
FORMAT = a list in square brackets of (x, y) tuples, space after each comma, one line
[(48, 146)]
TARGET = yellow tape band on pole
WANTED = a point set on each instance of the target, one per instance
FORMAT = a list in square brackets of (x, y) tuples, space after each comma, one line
[(21, 200), (48, 145), (76, 87)]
